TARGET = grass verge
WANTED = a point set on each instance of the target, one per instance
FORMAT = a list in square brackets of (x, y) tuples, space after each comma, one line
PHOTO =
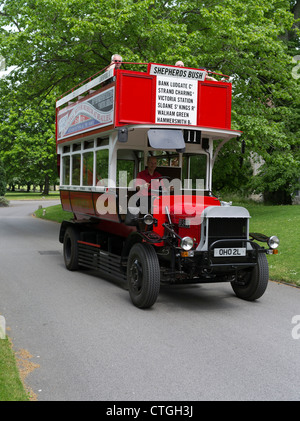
[(11, 386), (53, 213)]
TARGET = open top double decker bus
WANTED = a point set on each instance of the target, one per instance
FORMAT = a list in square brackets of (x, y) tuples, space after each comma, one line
[(170, 229)]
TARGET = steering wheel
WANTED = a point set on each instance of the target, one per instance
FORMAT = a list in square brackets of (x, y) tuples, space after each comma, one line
[(162, 177)]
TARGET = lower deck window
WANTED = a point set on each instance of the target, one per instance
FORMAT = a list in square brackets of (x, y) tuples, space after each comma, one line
[(76, 170), (88, 169), (102, 167), (66, 170)]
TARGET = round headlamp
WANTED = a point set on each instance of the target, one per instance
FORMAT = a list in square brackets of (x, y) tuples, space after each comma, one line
[(273, 242), (148, 219), (186, 243)]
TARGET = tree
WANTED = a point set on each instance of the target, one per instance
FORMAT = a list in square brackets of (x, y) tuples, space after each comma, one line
[(27, 139), (56, 44)]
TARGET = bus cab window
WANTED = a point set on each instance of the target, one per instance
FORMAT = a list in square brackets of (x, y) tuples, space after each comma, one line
[(194, 168), (129, 164)]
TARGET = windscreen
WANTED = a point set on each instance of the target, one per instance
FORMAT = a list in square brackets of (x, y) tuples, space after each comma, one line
[(166, 139)]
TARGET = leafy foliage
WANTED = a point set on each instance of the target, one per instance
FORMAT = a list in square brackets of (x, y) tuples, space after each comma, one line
[(27, 139), (55, 44)]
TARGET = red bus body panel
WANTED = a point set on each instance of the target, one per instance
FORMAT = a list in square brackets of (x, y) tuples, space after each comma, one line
[(135, 103)]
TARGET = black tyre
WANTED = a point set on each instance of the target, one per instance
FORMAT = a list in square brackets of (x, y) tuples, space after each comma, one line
[(143, 275), (251, 285), (71, 248)]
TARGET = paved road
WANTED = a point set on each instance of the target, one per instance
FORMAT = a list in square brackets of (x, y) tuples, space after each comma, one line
[(198, 342)]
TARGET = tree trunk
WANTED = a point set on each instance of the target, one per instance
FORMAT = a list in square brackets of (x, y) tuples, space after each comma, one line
[(279, 197), (46, 186), (291, 34)]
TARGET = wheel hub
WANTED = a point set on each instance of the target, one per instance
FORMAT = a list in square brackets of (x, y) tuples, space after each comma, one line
[(136, 273)]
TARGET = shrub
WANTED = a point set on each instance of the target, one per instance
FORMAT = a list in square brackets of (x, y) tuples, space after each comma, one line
[(3, 202)]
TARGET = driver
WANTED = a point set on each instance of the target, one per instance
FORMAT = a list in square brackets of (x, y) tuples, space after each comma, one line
[(143, 182)]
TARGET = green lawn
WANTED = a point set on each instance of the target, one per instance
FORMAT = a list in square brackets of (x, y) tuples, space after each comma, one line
[(21, 195), (11, 386), (284, 222)]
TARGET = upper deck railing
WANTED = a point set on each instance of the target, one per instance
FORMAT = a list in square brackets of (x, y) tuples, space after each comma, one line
[(161, 95)]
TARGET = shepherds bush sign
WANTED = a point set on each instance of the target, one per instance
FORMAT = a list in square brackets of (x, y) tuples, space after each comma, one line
[(176, 94), (169, 71)]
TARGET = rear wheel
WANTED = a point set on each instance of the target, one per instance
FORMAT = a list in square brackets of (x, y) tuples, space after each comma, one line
[(71, 248), (251, 285), (143, 275)]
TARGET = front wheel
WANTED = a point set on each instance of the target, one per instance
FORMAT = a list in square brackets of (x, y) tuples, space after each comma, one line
[(251, 285), (143, 275)]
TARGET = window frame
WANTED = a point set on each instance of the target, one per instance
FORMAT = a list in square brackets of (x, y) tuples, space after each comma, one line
[(78, 148)]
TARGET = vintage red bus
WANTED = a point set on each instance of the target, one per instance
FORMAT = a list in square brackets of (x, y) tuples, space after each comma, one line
[(175, 230)]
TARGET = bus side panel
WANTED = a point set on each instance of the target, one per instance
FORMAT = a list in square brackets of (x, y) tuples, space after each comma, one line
[(82, 202), (65, 200), (135, 99), (214, 105), (86, 205)]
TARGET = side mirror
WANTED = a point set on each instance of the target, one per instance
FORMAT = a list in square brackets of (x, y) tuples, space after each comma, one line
[(205, 143), (122, 134)]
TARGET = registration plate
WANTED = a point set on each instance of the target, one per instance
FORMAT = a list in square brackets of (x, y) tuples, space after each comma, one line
[(230, 252)]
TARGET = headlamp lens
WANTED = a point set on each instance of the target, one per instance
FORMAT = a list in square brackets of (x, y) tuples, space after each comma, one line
[(273, 242), (148, 219), (187, 243)]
